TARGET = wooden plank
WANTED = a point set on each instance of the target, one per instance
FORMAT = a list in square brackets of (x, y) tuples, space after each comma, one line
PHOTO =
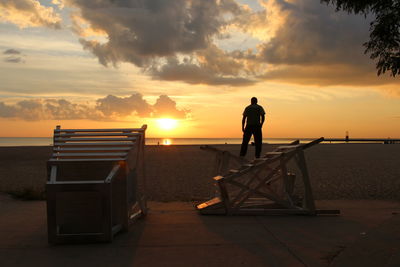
[(81, 182), (286, 182), (59, 139), (86, 159), (218, 177), (61, 149), (288, 147), (130, 143), (112, 173), (273, 153), (314, 142), (53, 174), (224, 195), (95, 134), (308, 195), (99, 130), (102, 154)]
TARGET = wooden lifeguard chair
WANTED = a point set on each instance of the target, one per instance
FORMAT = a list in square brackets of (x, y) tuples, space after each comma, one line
[(263, 186), (95, 183)]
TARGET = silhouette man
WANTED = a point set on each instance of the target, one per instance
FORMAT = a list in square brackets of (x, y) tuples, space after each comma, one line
[(254, 117)]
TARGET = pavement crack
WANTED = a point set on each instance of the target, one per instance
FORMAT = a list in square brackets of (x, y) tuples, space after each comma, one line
[(282, 243)]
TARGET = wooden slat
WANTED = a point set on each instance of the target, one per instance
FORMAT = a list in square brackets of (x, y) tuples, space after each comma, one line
[(316, 141), (112, 173), (273, 153), (95, 134), (288, 147), (61, 149), (105, 154), (53, 174), (127, 143), (218, 177), (88, 159), (99, 130), (78, 182), (58, 139)]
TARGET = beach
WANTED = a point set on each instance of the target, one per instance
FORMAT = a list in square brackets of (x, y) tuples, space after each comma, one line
[(184, 172)]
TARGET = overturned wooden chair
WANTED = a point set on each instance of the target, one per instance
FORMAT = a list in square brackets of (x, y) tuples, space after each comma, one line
[(263, 186), (96, 183)]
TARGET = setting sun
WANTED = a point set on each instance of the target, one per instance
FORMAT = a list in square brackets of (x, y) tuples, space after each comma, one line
[(167, 123)]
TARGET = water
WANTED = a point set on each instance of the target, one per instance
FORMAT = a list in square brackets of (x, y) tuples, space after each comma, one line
[(48, 141)]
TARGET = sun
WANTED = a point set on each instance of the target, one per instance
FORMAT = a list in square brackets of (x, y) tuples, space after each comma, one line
[(167, 123)]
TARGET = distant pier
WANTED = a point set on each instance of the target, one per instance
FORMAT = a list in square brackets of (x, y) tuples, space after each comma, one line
[(364, 140)]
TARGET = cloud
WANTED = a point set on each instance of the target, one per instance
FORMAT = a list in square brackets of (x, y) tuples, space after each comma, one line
[(177, 40), (48, 109), (140, 29), (142, 32), (124, 106), (107, 108), (12, 51), (13, 56), (311, 44), (29, 13), (166, 107), (193, 73), (313, 33), (13, 59), (327, 75), (299, 41)]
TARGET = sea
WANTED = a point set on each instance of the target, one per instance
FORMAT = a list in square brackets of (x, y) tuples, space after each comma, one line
[(48, 141)]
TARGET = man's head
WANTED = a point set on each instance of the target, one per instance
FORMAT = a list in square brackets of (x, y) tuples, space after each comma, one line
[(254, 100)]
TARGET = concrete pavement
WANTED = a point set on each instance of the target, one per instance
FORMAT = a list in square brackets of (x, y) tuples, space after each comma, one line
[(174, 234)]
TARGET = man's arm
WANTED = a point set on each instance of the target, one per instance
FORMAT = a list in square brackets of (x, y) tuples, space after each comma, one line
[(243, 122), (262, 119)]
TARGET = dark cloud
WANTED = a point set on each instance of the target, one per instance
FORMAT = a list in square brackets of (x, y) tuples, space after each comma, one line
[(11, 51), (175, 41), (14, 59), (29, 13), (139, 29), (107, 108), (13, 56), (315, 45), (140, 32), (314, 33), (195, 74)]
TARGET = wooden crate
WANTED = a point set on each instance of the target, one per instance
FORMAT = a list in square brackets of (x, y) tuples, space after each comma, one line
[(96, 183)]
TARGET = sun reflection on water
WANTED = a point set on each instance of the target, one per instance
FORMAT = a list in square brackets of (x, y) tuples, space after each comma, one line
[(166, 142)]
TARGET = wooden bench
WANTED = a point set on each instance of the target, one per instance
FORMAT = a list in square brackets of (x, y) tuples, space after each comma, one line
[(95, 183)]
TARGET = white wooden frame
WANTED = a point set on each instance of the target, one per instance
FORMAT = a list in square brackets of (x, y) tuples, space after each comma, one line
[(95, 173)]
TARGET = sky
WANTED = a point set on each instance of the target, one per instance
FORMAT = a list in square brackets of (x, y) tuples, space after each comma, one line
[(125, 63)]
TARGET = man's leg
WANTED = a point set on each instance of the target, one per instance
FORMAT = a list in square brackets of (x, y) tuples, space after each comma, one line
[(245, 141), (258, 140)]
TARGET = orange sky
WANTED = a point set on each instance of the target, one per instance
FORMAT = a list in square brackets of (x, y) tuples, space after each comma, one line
[(304, 62)]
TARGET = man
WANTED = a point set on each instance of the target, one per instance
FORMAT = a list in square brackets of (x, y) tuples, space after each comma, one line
[(254, 114)]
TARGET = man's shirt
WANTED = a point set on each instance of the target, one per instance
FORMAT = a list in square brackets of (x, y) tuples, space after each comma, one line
[(253, 113)]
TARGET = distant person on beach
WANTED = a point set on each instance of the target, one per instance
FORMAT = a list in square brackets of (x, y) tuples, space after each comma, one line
[(253, 117)]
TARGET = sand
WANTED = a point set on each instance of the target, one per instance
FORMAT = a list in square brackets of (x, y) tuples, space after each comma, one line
[(184, 173)]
